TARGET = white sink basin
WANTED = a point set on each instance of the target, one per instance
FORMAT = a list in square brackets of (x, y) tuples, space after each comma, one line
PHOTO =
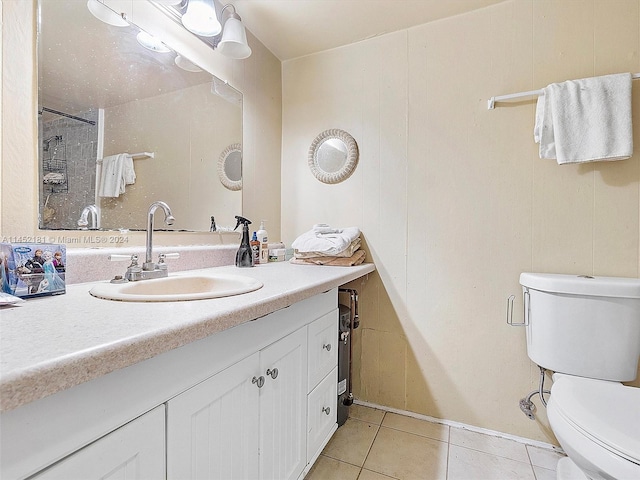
[(177, 288)]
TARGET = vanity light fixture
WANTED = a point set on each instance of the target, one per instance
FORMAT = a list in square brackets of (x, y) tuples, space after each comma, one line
[(223, 28), (105, 14), (152, 43), (201, 18), (234, 37)]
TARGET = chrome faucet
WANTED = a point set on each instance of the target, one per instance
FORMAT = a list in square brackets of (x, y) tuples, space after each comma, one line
[(149, 269), (148, 264), (84, 223)]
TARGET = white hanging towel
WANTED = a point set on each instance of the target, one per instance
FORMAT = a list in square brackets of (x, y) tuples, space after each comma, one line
[(128, 172), (117, 172), (585, 120)]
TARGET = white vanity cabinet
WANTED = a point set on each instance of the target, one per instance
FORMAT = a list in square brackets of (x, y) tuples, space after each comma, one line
[(134, 451), (246, 422), (255, 401)]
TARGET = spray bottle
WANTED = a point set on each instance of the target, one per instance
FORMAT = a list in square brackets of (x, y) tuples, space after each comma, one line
[(244, 257)]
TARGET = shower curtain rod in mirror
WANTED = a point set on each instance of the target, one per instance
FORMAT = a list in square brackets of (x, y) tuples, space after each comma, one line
[(50, 110)]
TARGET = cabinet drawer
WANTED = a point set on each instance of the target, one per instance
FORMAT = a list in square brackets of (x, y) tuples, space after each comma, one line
[(323, 347), (321, 413)]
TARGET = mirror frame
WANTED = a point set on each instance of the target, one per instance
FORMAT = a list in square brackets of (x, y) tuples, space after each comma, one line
[(222, 161), (351, 161)]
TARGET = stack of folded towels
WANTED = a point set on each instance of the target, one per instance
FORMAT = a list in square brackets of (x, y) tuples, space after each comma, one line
[(323, 245)]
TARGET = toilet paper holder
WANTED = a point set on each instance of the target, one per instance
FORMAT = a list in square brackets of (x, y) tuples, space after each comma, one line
[(525, 308)]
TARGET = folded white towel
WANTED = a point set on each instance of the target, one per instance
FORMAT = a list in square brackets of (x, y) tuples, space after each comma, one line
[(117, 172), (326, 243), (347, 252), (324, 228), (585, 120)]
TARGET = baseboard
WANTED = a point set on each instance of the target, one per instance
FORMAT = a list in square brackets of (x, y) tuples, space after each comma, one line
[(450, 423)]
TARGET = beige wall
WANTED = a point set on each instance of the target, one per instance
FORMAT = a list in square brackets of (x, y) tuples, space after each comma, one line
[(258, 77), (187, 143), (452, 199)]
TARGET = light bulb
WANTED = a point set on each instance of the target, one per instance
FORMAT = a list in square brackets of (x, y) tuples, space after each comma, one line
[(234, 39), (200, 18), (152, 43), (104, 13)]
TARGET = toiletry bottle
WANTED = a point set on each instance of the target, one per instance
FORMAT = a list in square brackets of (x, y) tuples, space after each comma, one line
[(264, 243), (255, 249), (244, 257)]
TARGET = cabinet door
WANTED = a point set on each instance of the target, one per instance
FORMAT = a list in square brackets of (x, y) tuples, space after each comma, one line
[(212, 428), (283, 408), (133, 451)]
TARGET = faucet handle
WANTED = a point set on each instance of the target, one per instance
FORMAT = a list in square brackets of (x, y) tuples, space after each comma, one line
[(166, 256), (162, 265), (118, 257)]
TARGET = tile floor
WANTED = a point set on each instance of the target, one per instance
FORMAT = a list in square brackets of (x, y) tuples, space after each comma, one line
[(378, 445)]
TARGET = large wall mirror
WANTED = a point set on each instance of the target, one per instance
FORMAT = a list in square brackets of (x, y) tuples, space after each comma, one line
[(151, 119)]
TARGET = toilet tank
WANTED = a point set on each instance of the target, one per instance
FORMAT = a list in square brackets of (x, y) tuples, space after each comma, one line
[(585, 326)]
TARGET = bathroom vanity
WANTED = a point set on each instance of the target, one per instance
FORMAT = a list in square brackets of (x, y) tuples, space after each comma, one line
[(234, 387)]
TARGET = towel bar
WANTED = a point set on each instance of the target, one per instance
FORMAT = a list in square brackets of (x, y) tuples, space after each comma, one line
[(136, 156), (491, 103)]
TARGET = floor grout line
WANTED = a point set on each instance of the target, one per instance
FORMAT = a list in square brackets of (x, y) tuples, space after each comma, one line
[(374, 441), (414, 433), (491, 453), (446, 471)]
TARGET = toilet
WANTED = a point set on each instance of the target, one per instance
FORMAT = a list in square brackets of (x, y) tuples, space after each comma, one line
[(587, 331)]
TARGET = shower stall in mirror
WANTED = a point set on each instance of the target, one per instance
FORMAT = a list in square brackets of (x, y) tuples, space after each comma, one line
[(67, 152)]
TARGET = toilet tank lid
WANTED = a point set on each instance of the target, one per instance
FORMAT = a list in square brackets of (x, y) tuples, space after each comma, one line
[(582, 285)]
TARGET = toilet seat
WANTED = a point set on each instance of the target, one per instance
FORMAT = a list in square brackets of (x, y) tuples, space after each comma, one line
[(607, 412), (598, 422)]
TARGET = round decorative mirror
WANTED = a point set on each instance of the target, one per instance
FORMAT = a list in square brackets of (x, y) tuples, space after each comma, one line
[(333, 156), (230, 167)]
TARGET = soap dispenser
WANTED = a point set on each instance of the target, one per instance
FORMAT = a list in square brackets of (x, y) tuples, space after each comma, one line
[(244, 257)]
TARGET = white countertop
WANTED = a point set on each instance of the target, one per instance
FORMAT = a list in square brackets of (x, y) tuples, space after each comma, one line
[(49, 344)]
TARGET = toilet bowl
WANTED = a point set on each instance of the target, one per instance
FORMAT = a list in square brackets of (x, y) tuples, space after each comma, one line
[(597, 423)]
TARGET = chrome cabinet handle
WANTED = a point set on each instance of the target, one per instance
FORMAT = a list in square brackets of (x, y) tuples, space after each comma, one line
[(273, 373), (259, 381), (327, 346), (326, 410)]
